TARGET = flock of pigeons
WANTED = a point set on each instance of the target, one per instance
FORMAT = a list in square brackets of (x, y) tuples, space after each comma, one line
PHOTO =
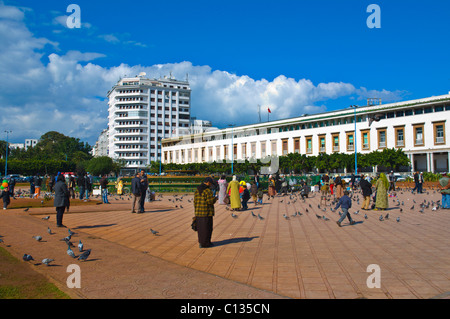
[(355, 196), (83, 256)]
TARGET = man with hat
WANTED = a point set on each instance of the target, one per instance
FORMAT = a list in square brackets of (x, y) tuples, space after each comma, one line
[(204, 212)]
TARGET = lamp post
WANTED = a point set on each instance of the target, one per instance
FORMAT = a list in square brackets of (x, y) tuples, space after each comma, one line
[(160, 155), (356, 147), (6, 158), (232, 147)]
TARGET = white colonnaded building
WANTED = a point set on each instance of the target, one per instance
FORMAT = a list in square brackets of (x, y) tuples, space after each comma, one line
[(419, 127)]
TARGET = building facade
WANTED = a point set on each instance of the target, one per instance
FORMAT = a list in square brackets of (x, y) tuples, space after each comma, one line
[(419, 127), (141, 113)]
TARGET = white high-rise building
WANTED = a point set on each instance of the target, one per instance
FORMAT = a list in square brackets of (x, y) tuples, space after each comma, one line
[(141, 113)]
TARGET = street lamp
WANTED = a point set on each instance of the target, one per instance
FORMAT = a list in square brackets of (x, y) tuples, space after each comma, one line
[(232, 147), (356, 147), (6, 158)]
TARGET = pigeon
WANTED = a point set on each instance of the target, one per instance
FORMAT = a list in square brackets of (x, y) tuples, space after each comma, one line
[(154, 232), (27, 257), (285, 216), (387, 216), (49, 230), (398, 219), (38, 238), (357, 212), (233, 215), (381, 218), (412, 207), (26, 209), (70, 252), (84, 255), (46, 218), (253, 214), (318, 217), (365, 216), (80, 246), (47, 261), (260, 217), (71, 233), (325, 218), (66, 239)]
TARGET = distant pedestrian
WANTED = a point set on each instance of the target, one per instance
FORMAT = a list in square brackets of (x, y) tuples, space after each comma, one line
[(382, 186), (72, 186), (272, 187), (119, 186), (245, 197), (233, 191), (37, 186), (345, 203), (61, 199), (104, 186), (324, 191), (338, 186), (50, 183), (32, 187), (260, 196), (420, 183), (12, 183), (204, 212), (223, 197), (5, 195), (366, 188), (391, 181), (416, 182), (254, 192), (444, 186), (143, 180), (135, 191), (81, 185)]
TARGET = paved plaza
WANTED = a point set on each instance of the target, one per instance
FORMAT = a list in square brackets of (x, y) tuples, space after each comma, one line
[(300, 256)]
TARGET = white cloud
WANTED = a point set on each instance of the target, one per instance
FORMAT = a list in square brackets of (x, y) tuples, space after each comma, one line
[(67, 93)]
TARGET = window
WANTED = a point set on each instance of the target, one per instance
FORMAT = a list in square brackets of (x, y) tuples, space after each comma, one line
[(350, 142), (274, 147), (365, 139), (297, 145), (335, 142), (263, 149), (382, 138), (285, 146), (322, 144), (439, 133), (400, 136), (418, 135), (309, 145), (253, 149)]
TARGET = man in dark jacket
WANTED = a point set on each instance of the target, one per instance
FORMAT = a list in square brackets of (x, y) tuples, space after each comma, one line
[(144, 185), (345, 203), (135, 190), (104, 186), (366, 188), (61, 199), (81, 185)]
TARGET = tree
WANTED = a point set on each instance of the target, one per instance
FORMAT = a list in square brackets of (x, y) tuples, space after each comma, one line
[(100, 165)]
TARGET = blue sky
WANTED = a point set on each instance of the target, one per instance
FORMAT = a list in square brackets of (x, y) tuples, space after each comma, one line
[(293, 56)]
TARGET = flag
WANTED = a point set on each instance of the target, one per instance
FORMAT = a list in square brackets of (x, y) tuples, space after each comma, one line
[(268, 110)]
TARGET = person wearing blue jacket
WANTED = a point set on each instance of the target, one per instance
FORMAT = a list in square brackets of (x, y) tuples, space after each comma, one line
[(345, 203)]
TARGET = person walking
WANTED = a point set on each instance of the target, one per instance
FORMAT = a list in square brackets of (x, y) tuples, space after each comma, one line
[(104, 186), (81, 185), (135, 191), (143, 180), (233, 190), (72, 186), (420, 183), (416, 182), (391, 181), (338, 186), (245, 197), (61, 200), (204, 212), (223, 190), (382, 186), (366, 188), (345, 203), (37, 186), (444, 186), (5, 195), (119, 186), (254, 192), (272, 187)]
